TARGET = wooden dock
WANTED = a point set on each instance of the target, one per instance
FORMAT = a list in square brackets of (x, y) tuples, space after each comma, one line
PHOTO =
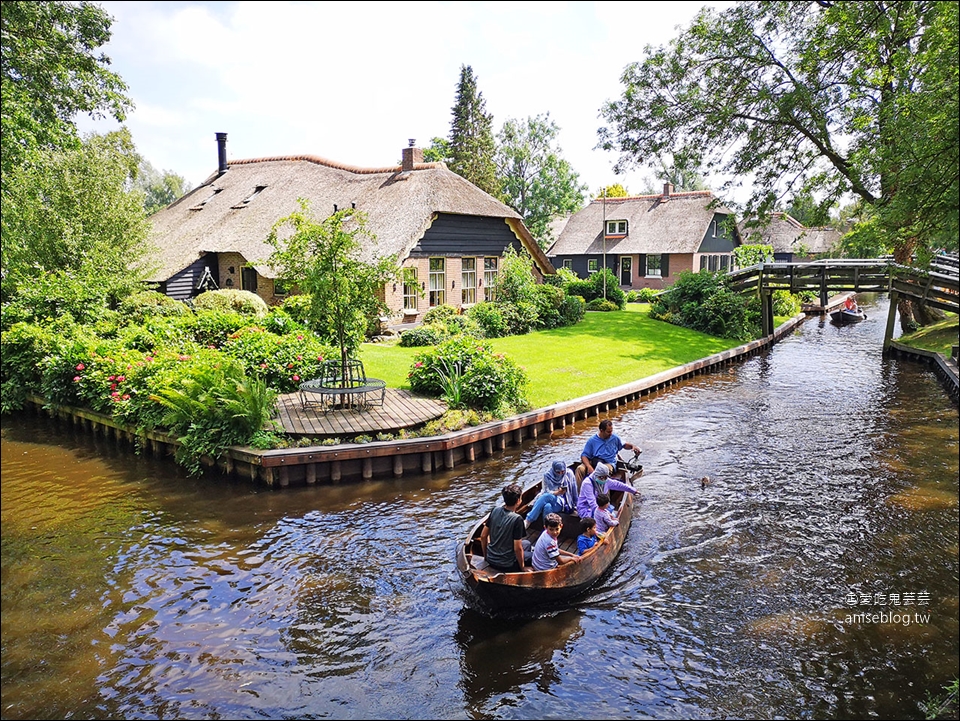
[(400, 409)]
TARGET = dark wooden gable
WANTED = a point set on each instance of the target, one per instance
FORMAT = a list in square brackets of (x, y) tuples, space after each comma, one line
[(457, 235)]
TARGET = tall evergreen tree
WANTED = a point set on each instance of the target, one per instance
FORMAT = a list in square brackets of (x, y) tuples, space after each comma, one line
[(472, 147)]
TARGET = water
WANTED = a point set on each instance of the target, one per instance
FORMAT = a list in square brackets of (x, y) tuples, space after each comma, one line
[(130, 590)]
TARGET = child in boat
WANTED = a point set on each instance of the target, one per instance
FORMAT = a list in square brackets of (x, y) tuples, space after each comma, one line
[(547, 553), (605, 515), (588, 535)]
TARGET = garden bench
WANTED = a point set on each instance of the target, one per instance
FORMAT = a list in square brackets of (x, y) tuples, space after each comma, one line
[(358, 390)]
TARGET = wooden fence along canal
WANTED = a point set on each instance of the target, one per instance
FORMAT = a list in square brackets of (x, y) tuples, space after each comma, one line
[(396, 458)]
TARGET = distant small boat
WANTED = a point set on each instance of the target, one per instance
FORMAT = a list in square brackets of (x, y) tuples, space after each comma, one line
[(845, 316)]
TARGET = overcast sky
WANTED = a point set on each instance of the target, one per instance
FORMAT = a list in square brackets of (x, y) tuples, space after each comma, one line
[(352, 82)]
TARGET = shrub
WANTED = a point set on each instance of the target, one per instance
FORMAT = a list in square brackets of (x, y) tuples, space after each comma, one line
[(582, 288), (464, 325), (572, 309), (468, 373), (592, 288), (520, 317), (22, 347), (702, 301), (279, 321), (440, 314), (213, 327), (138, 307), (214, 407), (282, 361), (785, 303), (515, 282), (298, 308), (423, 335), (602, 305), (548, 299), (489, 317), (562, 278), (642, 295), (238, 301)]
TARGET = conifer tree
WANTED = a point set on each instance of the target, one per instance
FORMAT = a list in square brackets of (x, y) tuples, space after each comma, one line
[(472, 146)]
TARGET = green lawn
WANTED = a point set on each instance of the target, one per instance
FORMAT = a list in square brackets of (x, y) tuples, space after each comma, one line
[(604, 350), (938, 337)]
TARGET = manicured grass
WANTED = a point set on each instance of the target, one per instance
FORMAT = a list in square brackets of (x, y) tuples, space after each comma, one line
[(604, 350), (939, 337)]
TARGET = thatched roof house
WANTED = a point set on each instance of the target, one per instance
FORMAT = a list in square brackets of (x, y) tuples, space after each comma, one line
[(791, 241), (435, 222), (648, 239)]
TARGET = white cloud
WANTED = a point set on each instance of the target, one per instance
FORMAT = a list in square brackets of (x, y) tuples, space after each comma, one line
[(353, 81)]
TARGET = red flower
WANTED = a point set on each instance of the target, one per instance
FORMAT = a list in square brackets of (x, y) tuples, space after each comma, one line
[(296, 378), (79, 366), (76, 379)]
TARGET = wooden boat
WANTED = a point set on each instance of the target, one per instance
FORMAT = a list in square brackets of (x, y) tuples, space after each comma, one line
[(501, 591), (844, 316)]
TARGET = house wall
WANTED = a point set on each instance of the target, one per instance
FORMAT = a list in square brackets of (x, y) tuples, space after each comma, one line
[(672, 263), (183, 285), (231, 266)]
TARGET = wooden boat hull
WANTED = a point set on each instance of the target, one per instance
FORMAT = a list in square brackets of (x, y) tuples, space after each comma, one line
[(502, 591), (847, 316)]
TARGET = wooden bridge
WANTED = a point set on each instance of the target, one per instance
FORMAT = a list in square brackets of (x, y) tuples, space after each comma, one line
[(938, 287)]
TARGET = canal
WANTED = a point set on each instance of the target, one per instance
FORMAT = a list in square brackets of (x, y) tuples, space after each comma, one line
[(814, 576)]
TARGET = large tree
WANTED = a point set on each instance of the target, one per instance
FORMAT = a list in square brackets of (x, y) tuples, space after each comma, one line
[(472, 147), (835, 98), (159, 188), (536, 181), (71, 214), (51, 70)]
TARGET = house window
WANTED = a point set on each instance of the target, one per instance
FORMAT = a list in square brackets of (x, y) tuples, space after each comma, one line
[(248, 279), (468, 282), (713, 228), (568, 264), (713, 263), (411, 291), (489, 278), (280, 287), (438, 294), (593, 265), (653, 266), (243, 204), (616, 227)]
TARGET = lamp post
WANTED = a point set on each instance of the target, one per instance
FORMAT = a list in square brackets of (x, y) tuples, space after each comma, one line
[(603, 202)]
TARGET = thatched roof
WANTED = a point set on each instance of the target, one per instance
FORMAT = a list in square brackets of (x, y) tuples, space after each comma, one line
[(220, 215), (674, 223), (788, 235)]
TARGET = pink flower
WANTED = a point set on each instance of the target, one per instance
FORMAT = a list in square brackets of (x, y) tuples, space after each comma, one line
[(121, 379), (263, 365), (113, 386), (296, 378), (299, 357), (115, 394), (299, 337), (289, 365), (111, 378), (76, 379), (80, 366), (320, 358), (418, 364), (184, 357), (126, 396)]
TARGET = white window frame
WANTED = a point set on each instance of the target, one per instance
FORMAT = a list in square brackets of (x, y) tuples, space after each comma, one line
[(593, 265), (656, 272), (491, 268), (468, 281), (616, 227), (411, 289), (438, 282)]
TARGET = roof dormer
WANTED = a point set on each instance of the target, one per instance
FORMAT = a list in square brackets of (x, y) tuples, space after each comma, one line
[(616, 228)]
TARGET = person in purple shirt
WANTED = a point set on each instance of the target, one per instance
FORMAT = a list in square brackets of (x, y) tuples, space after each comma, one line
[(596, 483), (603, 448)]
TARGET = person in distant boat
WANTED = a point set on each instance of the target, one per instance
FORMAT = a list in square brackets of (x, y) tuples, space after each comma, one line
[(851, 304), (503, 537), (547, 554), (596, 483), (605, 515), (588, 535), (559, 494), (603, 448)]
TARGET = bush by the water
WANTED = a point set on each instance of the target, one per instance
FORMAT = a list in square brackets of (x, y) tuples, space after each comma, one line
[(702, 301), (466, 373)]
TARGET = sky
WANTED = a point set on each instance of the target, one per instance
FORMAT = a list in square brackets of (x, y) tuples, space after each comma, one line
[(354, 82)]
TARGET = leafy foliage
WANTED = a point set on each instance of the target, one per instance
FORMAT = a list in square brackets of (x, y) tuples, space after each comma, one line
[(471, 146), (467, 372), (323, 260), (51, 71), (228, 300), (68, 216), (703, 302), (831, 98), (597, 285), (282, 360), (536, 181), (752, 254), (602, 305), (159, 188)]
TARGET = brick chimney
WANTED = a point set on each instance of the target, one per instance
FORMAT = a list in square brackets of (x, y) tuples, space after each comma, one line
[(411, 156), (222, 166), (667, 190)]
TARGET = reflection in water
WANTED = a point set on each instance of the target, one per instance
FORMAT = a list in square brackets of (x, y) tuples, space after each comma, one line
[(132, 591)]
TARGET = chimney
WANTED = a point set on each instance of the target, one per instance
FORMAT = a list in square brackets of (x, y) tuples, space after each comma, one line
[(667, 190), (411, 156), (222, 153)]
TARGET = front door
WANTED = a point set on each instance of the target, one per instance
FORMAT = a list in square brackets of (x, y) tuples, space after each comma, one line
[(626, 270)]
